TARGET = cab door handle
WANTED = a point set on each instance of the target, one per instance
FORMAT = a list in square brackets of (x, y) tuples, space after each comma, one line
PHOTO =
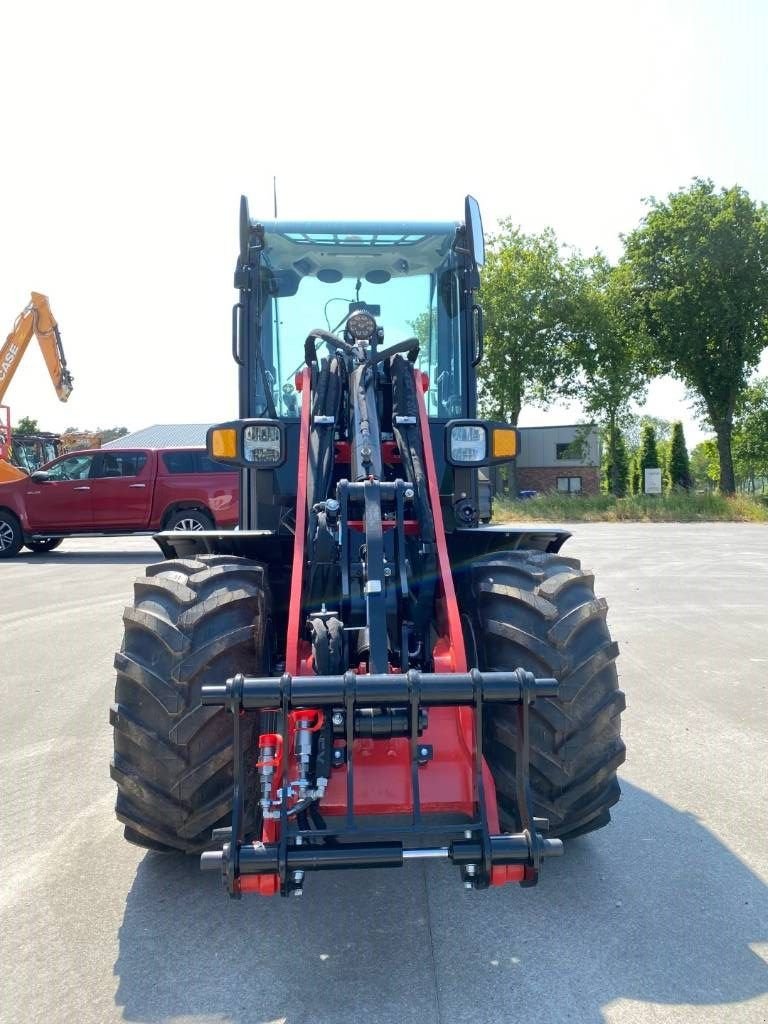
[(142, 486), (81, 488)]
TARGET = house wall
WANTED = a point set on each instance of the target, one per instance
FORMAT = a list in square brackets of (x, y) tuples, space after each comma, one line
[(544, 478), (538, 446)]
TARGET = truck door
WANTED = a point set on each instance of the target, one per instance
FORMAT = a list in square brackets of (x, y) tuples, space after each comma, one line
[(122, 490), (63, 502)]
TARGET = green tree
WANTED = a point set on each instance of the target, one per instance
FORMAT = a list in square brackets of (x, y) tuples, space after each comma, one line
[(635, 474), (634, 424), (750, 435), (678, 468), (663, 450), (705, 464), (110, 433), (699, 263), (26, 425), (616, 466), (611, 351), (647, 456), (527, 296)]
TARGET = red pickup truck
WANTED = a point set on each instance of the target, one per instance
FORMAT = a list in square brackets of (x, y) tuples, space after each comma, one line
[(117, 491)]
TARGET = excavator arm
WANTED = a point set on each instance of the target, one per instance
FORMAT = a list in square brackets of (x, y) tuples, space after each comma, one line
[(36, 319)]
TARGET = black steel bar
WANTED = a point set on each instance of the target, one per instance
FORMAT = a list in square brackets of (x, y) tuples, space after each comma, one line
[(342, 496), (485, 868), (349, 719), (236, 834), (381, 690), (283, 837), (375, 585), (260, 859), (415, 792)]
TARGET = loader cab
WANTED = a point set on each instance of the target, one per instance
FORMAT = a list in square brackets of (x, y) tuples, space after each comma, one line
[(416, 279), (412, 277)]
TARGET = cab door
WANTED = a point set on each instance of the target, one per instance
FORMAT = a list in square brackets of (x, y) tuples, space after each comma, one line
[(63, 501), (122, 490)]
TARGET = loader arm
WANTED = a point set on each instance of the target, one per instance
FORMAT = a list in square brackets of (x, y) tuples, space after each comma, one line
[(36, 318)]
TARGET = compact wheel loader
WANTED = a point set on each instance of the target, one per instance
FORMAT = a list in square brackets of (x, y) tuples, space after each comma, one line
[(365, 672)]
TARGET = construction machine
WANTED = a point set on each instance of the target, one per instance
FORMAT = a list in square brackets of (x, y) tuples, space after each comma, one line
[(36, 318), (365, 673)]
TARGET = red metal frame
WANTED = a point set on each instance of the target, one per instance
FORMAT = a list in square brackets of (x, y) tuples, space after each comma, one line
[(297, 569), (383, 768)]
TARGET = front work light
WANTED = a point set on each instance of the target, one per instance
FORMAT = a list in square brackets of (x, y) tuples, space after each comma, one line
[(262, 445), (480, 443), (251, 444), (467, 444)]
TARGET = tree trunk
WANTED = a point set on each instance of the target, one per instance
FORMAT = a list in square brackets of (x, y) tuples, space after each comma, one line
[(723, 430), (615, 486), (514, 414)]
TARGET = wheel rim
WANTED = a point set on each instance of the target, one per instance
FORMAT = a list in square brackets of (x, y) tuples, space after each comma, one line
[(189, 524), (6, 536)]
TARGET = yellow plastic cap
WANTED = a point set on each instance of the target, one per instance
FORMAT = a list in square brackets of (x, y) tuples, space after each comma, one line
[(504, 444), (224, 443)]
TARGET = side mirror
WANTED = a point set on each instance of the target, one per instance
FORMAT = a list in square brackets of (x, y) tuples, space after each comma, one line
[(41, 476), (474, 225)]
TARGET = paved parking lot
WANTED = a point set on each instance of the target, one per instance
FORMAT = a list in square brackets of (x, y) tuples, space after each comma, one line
[(661, 917)]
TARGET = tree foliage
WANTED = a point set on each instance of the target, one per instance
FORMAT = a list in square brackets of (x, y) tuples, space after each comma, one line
[(609, 347), (527, 294), (705, 464), (616, 466), (678, 470), (647, 456), (699, 266), (750, 436), (26, 425)]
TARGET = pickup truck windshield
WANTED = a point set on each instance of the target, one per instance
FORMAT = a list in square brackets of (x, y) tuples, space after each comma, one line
[(406, 275)]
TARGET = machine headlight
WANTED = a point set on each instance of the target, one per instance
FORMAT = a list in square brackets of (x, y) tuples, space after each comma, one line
[(468, 444), (480, 443), (262, 445), (252, 444)]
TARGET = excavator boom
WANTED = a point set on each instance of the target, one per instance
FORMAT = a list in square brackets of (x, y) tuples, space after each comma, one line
[(36, 319)]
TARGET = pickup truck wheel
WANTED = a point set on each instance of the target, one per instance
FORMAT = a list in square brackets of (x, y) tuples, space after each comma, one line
[(40, 547), (193, 621), (189, 519), (11, 538)]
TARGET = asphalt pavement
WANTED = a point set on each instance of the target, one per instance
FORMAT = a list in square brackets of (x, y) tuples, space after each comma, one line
[(661, 917)]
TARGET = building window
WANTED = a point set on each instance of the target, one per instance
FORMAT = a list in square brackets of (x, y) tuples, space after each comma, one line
[(569, 484), (572, 451)]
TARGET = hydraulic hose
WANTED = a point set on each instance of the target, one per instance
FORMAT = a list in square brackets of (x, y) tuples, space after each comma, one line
[(405, 425)]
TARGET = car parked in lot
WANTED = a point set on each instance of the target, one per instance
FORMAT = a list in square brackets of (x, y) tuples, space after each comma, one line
[(116, 491)]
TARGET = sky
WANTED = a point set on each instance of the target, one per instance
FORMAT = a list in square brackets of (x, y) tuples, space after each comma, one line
[(129, 132)]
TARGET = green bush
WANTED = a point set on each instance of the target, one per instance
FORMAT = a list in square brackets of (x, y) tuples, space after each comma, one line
[(677, 507)]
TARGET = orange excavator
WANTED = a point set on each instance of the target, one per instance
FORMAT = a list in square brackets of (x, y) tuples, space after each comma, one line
[(36, 318)]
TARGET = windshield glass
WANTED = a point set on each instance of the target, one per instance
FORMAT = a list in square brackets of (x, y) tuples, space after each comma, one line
[(405, 275)]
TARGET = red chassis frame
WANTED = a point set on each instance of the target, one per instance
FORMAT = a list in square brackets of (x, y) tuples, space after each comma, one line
[(383, 767)]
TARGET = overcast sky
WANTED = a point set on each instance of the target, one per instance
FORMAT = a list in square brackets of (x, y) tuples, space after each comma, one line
[(129, 132)]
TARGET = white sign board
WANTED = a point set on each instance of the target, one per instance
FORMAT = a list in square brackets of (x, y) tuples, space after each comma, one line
[(653, 481)]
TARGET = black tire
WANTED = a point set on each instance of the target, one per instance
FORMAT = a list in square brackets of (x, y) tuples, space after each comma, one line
[(194, 621), (194, 519), (11, 538), (40, 547), (539, 612)]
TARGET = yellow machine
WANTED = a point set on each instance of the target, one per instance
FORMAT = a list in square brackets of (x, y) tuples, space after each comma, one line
[(37, 319)]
